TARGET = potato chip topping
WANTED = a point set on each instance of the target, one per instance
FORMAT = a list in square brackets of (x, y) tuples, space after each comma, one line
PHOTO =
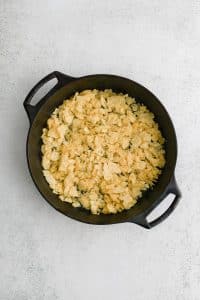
[(101, 150)]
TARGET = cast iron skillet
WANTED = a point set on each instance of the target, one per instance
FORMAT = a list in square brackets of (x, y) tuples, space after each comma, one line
[(65, 87)]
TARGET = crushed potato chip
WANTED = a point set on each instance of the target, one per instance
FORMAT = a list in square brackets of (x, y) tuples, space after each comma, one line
[(101, 150)]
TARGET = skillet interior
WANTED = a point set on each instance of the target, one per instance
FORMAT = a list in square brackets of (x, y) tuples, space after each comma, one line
[(118, 84)]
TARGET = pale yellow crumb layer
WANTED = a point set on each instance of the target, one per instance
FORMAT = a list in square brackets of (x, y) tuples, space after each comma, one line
[(101, 150)]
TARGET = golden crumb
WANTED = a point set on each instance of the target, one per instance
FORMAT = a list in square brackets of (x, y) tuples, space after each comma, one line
[(101, 150)]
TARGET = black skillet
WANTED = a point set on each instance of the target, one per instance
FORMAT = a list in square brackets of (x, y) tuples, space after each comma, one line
[(65, 87)]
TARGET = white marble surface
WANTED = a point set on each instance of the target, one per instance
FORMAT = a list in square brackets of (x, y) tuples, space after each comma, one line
[(45, 255)]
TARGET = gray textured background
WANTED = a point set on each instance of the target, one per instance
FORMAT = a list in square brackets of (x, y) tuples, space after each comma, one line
[(45, 255)]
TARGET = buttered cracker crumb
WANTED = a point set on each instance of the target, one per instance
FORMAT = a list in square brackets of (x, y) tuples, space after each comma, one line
[(101, 150)]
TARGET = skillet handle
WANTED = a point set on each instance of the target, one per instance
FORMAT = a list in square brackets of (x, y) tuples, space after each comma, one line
[(62, 80), (171, 189)]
